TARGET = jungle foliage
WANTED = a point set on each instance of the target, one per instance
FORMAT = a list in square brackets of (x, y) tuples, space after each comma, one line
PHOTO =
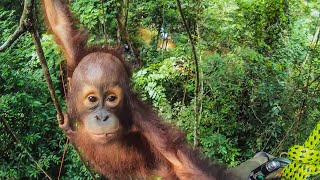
[(258, 87)]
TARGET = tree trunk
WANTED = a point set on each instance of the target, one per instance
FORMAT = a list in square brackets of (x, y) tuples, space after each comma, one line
[(124, 35)]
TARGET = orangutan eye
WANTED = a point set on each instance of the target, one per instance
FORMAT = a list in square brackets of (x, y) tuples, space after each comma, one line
[(92, 98), (111, 98)]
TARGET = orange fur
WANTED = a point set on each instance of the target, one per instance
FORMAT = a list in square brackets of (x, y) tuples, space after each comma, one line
[(144, 146)]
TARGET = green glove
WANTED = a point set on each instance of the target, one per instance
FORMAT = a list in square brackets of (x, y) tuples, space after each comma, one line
[(243, 171)]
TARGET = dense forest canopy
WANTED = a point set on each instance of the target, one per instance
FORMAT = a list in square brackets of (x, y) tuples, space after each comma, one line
[(238, 76)]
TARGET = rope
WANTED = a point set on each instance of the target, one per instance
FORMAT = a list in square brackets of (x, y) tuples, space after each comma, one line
[(305, 159), (62, 159), (67, 140)]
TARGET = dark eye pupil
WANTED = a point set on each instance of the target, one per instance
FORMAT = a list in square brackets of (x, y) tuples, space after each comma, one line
[(92, 99), (111, 98)]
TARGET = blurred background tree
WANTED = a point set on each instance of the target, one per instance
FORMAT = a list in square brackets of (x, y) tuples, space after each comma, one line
[(258, 87)]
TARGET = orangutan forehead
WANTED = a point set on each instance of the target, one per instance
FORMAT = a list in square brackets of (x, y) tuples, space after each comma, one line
[(100, 70), (99, 65), (101, 60)]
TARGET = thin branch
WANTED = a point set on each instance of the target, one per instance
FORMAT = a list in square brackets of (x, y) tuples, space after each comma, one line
[(315, 37), (124, 34), (305, 89), (45, 69), (28, 23), (22, 28), (62, 159), (127, 14), (197, 82), (255, 115), (15, 137), (104, 30), (313, 81), (35, 36), (201, 81)]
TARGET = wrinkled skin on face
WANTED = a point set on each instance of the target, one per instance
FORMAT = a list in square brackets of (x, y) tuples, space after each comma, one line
[(97, 95)]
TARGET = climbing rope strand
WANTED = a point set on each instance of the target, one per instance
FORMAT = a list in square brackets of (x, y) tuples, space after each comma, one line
[(305, 159), (63, 156)]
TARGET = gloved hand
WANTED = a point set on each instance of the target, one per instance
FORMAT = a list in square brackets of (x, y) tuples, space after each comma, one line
[(243, 171)]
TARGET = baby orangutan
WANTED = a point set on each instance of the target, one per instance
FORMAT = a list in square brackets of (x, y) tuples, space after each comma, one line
[(118, 134)]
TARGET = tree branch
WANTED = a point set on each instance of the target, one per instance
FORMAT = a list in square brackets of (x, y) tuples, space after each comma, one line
[(127, 13), (22, 28), (36, 39), (125, 34), (44, 66), (15, 138), (196, 64)]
